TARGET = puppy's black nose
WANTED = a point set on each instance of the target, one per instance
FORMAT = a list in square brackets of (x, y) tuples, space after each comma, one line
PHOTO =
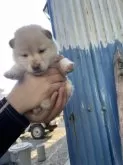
[(36, 68)]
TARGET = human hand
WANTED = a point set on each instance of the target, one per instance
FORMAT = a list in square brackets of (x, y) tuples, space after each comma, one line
[(28, 93), (58, 100)]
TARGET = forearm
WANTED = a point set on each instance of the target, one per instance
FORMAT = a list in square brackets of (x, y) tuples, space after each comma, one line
[(12, 124)]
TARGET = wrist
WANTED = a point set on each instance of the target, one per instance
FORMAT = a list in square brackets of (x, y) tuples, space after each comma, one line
[(10, 111), (15, 103)]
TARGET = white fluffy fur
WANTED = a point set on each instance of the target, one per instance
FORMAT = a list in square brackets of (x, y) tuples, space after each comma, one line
[(33, 47)]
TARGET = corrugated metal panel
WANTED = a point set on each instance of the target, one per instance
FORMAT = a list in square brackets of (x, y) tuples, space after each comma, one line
[(89, 32), (83, 21)]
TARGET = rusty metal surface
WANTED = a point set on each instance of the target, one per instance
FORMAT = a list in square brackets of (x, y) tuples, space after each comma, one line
[(118, 67)]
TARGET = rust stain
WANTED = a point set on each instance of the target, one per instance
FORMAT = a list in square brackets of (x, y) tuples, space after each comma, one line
[(118, 70)]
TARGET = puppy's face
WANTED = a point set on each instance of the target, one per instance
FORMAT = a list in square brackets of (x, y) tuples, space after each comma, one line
[(33, 49)]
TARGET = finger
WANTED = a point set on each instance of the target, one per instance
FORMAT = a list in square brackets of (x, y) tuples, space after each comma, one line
[(53, 99), (55, 87), (56, 78), (62, 103), (65, 99), (58, 106), (58, 67), (38, 117), (52, 71), (36, 110), (58, 58)]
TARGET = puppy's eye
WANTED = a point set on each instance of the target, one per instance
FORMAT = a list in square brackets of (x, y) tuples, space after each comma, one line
[(24, 55), (41, 51)]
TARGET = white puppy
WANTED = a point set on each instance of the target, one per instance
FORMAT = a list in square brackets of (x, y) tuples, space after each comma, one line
[(34, 51)]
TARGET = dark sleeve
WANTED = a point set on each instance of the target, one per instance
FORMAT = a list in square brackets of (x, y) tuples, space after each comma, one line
[(12, 124)]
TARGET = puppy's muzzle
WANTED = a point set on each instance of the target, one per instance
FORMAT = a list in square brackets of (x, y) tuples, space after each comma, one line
[(36, 68)]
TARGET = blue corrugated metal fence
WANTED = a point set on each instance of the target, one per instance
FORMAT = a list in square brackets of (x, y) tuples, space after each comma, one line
[(89, 32)]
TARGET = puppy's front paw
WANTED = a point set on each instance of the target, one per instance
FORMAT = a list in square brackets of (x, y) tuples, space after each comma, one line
[(66, 65), (11, 75), (69, 67), (46, 104)]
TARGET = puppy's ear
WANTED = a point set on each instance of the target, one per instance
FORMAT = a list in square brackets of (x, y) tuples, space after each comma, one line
[(11, 43), (48, 34)]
